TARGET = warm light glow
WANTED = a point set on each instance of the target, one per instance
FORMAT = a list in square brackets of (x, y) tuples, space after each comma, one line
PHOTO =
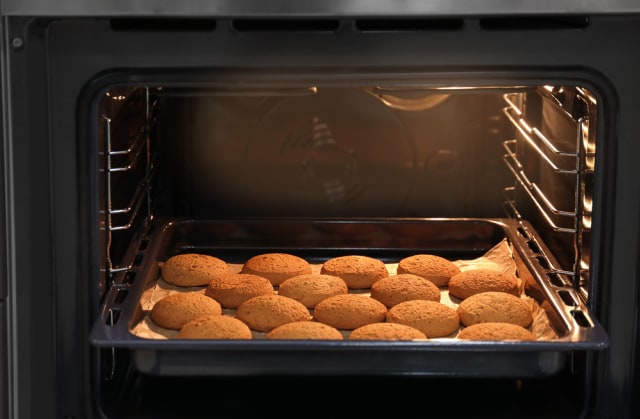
[(587, 203)]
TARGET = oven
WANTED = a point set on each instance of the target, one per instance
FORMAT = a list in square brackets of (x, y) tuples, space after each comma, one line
[(497, 135)]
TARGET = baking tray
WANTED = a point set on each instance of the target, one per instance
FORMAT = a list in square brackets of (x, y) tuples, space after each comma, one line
[(458, 239)]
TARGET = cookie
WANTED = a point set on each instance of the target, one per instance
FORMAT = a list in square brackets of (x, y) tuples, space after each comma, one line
[(475, 281), (232, 289), (276, 267), (496, 331), (349, 311), (395, 289), (386, 331), (310, 289), (432, 318), (434, 268), (192, 269), (357, 271), (305, 330), (266, 312), (494, 306), (175, 310), (215, 327)]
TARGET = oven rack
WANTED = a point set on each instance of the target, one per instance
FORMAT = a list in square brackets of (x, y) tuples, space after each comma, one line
[(537, 196), (576, 162), (553, 271), (127, 156), (569, 162)]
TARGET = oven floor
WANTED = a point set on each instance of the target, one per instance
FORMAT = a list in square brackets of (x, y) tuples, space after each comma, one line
[(185, 397)]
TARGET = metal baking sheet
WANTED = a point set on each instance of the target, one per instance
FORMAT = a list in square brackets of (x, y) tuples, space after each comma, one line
[(563, 323)]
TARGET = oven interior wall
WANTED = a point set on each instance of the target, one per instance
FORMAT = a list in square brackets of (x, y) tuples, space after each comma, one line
[(337, 153)]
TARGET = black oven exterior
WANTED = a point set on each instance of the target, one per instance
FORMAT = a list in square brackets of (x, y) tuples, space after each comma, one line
[(47, 303)]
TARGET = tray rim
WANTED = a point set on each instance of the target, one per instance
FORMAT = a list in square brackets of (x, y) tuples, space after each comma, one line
[(577, 338)]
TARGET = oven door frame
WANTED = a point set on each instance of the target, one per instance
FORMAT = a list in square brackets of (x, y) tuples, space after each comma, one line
[(312, 8), (49, 209)]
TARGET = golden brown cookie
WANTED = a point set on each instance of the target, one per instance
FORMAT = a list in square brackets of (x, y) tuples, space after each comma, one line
[(174, 310), (475, 281), (305, 330), (349, 311), (434, 319), (395, 289), (232, 289), (266, 312), (386, 331), (496, 331), (494, 306), (192, 269), (276, 267), (310, 289), (215, 327), (357, 271), (434, 268)]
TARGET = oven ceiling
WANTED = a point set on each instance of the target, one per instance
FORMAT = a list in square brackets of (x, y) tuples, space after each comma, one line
[(313, 8)]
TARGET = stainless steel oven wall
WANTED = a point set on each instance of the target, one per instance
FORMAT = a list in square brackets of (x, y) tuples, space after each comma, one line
[(4, 336), (53, 253)]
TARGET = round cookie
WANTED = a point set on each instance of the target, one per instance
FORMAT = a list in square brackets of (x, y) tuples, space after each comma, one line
[(215, 327), (434, 268), (276, 267), (349, 311), (192, 269), (232, 289), (305, 330), (266, 312), (432, 318), (175, 310), (310, 289), (475, 281), (494, 306), (386, 331), (495, 331), (357, 271), (396, 289)]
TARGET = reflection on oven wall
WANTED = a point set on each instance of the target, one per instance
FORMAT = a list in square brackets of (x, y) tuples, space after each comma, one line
[(338, 152)]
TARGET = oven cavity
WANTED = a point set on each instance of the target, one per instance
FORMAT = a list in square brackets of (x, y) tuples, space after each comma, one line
[(387, 166)]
